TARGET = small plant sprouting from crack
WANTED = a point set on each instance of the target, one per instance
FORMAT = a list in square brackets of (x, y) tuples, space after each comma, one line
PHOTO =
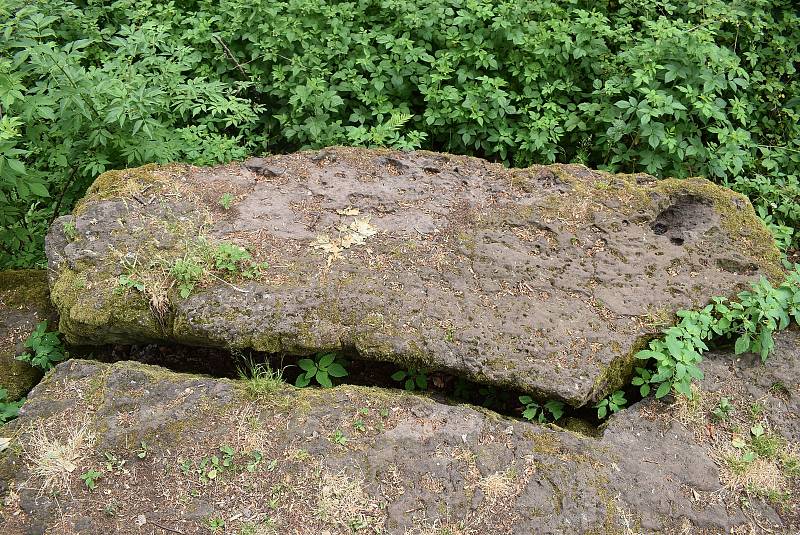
[(412, 379), (612, 404), (320, 369), (43, 349)]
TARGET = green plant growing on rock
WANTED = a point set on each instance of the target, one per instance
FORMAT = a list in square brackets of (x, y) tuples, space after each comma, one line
[(8, 409), (187, 272), (229, 257), (751, 321), (225, 201), (90, 478), (260, 379), (129, 282), (412, 378), (70, 231), (611, 404), (533, 411), (44, 348), (723, 410), (321, 369)]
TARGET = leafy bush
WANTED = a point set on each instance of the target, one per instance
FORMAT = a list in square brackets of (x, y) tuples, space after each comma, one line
[(673, 88), (750, 321), (44, 349)]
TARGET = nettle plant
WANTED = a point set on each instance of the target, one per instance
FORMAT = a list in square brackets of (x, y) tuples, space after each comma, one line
[(749, 321), (44, 349), (412, 379), (320, 369), (534, 411)]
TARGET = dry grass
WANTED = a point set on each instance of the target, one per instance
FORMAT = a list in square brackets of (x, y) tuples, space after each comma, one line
[(53, 460), (498, 486), (343, 502), (762, 476)]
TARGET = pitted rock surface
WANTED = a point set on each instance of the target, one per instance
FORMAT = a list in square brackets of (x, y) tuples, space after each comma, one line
[(410, 465), (544, 279)]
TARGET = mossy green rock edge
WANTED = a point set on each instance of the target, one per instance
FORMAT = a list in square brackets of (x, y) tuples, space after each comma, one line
[(546, 279), (24, 302)]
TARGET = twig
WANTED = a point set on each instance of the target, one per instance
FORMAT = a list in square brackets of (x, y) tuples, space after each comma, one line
[(165, 528), (61, 196), (231, 56), (240, 290)]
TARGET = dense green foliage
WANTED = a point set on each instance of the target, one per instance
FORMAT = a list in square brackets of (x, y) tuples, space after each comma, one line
[(697, 87)]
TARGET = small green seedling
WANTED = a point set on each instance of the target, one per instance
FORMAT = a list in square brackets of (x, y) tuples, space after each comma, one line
[(338, 438), (613, 403), (413, 378), (535, 411), (228, 256), (226, 200), (142, 451), (723, 410), (44, 348), (321, 369), (187, 272), (89, 478), (254, 460), (70, 231), (216, 524), (127, 282)]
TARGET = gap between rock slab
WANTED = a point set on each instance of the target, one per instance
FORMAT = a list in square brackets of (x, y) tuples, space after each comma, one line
[(442, 386)]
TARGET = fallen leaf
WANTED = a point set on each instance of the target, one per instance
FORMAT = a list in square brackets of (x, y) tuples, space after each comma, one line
[(348, 211)]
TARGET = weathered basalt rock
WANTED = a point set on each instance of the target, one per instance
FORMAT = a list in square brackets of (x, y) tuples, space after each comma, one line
[(544, 279), (369, 460), (24, 302)]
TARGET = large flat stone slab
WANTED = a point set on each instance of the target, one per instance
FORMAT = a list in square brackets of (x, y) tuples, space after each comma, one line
[(544, 279), (364, 460)]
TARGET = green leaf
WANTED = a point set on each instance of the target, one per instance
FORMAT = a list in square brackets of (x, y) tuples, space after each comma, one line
[(556, 408), (323, 379), (742, 344), (663, 390), (422, 382), (303, 379), (644, 390), (308, 365), (409, 384), (336, 370), (38, 189), (326, 360), (399, 375), (646, 354)]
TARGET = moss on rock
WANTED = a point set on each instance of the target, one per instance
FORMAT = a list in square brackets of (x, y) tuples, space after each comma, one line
[(24, 302)]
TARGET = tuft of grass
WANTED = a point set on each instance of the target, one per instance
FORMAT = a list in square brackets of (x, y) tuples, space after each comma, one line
[(53, 461), (260, 379), (498, 486)]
